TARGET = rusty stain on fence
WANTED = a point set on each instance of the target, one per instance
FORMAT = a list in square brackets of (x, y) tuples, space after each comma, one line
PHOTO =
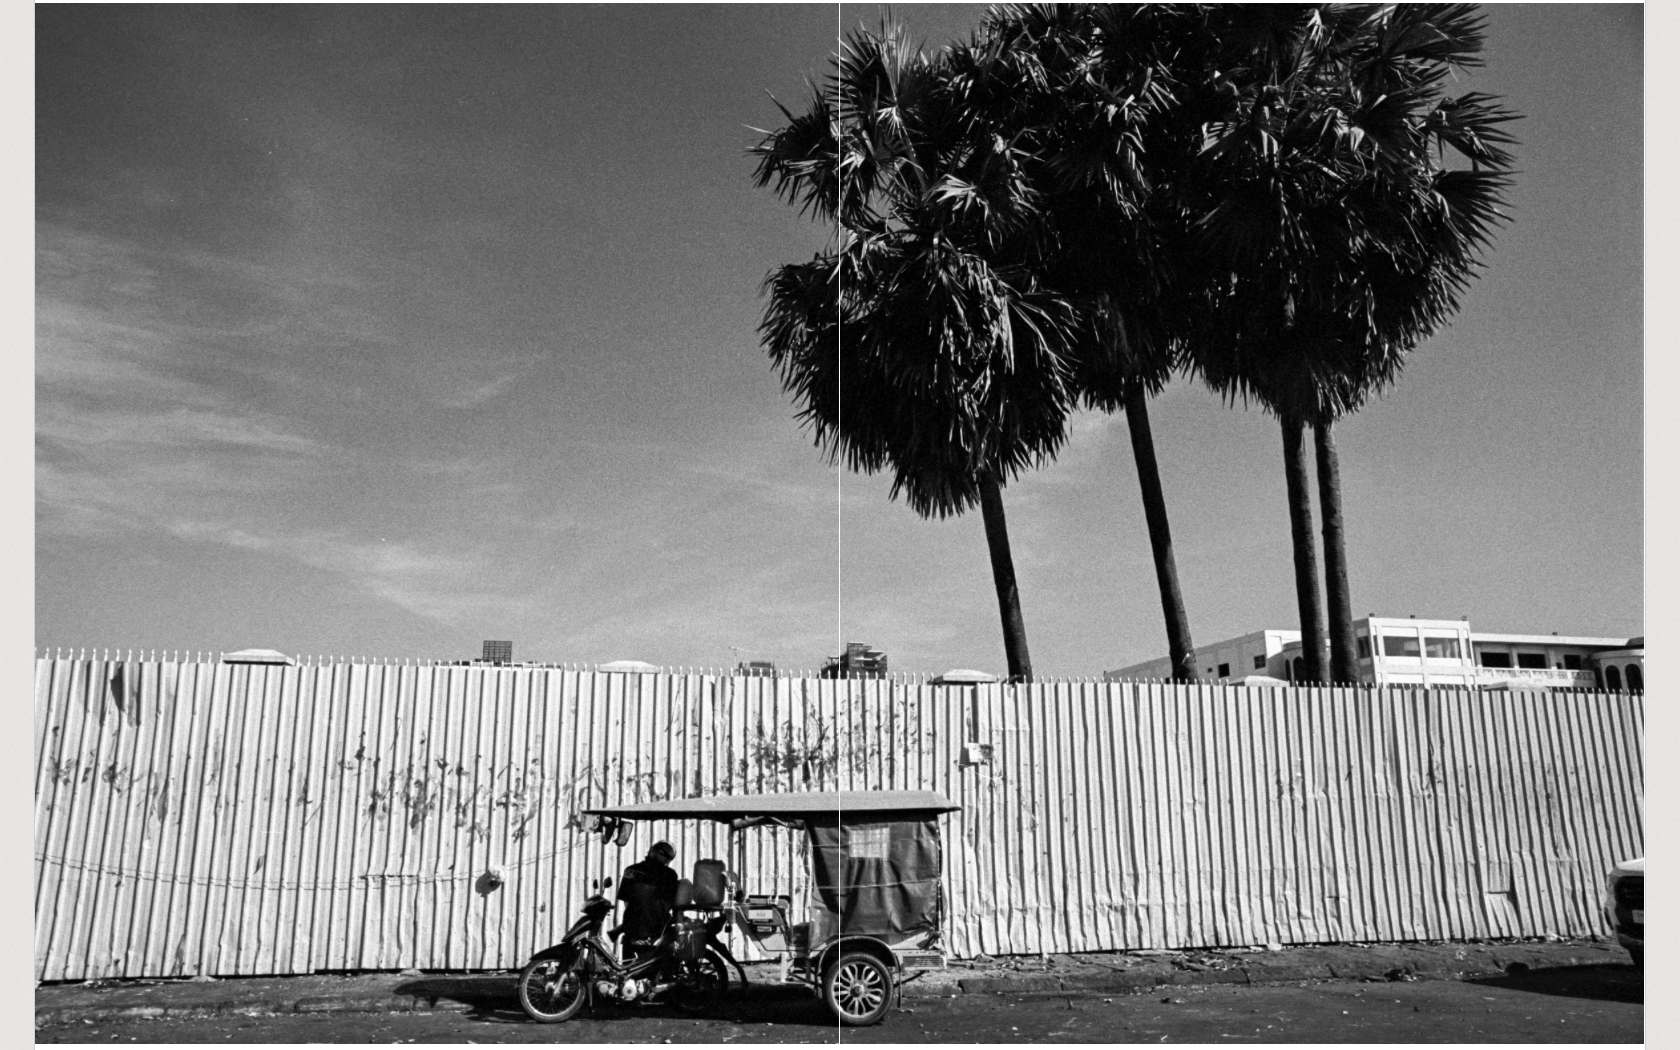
[(251, 820)]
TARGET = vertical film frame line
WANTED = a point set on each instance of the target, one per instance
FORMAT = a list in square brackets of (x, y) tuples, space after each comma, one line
[(839, 469)]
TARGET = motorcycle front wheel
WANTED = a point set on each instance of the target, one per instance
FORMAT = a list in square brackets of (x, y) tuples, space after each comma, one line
[(700, 983), (551, 991)]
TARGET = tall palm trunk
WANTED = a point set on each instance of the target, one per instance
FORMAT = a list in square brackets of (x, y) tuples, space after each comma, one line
[(1306, 554), (1179, 646), (1003, 576), (1344, 661)]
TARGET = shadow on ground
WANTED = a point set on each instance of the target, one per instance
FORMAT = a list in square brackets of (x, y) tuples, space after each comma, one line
[(479, 993), (493, 1000), (1617, 984)]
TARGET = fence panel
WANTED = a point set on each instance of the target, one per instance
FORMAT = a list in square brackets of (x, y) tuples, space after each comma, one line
[(198, 817)]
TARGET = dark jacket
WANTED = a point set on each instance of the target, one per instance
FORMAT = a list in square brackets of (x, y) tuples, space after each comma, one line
[(648, 890)]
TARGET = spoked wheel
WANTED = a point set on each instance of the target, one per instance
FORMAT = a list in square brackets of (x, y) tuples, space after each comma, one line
[(858, 988), (551, 991), (700, 984)]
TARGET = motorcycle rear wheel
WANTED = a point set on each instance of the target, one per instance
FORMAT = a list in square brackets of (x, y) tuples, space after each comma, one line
[(551, 991), (700, 984)]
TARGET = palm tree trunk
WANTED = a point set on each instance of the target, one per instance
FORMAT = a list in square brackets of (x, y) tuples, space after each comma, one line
[(1344, 661), (1179, 646), (1306, 556), (1003, 576)]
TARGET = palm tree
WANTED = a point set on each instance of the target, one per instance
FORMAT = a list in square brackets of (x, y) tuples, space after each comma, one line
[(923, 341), (1334, 233), (1087, 93), (1431, 231)]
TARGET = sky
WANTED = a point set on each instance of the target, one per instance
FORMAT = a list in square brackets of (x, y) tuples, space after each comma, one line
[(381, 331)]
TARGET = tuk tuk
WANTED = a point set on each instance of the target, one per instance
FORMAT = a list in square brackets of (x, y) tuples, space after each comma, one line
[(874, 907)]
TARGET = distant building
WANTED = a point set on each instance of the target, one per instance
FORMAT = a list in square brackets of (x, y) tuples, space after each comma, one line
[(756, 668), (858, 661), (1395, 651), (258, 656), (629, 667), (964, 676), (498, 652)]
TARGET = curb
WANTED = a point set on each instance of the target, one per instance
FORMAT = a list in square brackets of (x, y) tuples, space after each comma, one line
[(1409, 969), (1284, 973), (1127, 983), (997, 985), (1234, 975), (384, 1004)]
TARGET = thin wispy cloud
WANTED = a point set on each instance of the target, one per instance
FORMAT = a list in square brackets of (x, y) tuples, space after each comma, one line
[(445, 585), (110, 431), (145, 420), (145, 425), (478, 395)]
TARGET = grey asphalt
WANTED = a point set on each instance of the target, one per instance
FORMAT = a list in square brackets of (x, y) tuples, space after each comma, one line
[(1073, 975)]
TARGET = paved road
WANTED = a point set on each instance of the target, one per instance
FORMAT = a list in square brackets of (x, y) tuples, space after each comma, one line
[(1581, 1005)]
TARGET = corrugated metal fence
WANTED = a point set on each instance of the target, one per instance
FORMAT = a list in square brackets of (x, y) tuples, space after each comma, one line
[(200, 817)]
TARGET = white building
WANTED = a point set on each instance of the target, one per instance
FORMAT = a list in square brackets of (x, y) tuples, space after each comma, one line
[(1260, 653), (1409, 651)]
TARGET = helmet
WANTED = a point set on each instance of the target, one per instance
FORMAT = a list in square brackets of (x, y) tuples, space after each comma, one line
[(664, 851)]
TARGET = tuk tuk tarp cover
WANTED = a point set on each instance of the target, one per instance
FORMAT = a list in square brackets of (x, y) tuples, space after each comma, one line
[(878, 878)]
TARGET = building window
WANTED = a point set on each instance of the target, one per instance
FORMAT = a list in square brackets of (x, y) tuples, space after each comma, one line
[(1400, 645), (1496, 659), (1533, 661), (1259, 663), (1442, 647), (1612, 679), (1635, 679), (1364, 648), (1224, 670), (1572, 662)]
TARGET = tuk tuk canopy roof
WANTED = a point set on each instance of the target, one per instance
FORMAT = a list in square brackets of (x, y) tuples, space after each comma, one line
[(786, 805)]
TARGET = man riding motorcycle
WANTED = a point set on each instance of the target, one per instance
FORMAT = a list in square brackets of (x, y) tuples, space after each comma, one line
[(649, 892)]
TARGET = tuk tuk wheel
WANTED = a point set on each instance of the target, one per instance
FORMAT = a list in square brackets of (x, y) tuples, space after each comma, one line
[(550, 991), (858, 989)]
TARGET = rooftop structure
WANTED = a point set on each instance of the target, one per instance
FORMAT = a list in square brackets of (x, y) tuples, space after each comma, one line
[(858, 661), (629, 667), (964, 676), (257, 656)]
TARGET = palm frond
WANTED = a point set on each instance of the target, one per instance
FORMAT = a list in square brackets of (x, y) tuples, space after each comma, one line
[(1473, 124), (801, 160)]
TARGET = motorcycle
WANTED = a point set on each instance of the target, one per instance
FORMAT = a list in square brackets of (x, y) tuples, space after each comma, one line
[(685, 966)]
